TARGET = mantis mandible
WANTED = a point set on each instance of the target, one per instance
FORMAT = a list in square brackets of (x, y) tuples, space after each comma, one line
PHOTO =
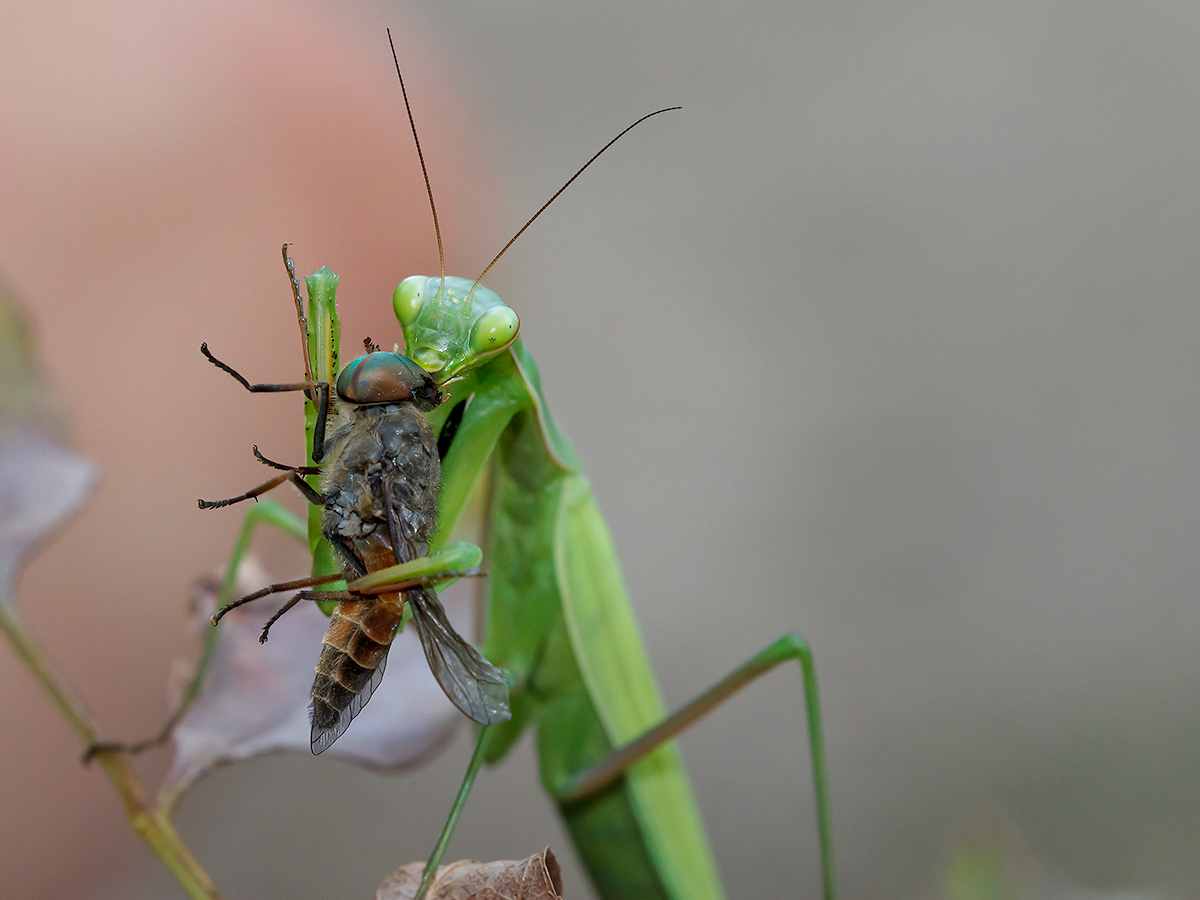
[(559, 620)]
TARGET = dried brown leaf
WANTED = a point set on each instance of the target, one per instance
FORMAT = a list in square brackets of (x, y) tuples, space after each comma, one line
[(255, 697), (41, 482), (536, 878)]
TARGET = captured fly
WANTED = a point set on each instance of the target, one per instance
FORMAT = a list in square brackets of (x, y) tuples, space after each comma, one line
[(380, 470)]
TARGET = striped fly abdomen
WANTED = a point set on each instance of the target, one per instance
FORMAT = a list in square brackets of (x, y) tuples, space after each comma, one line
[(353, 654)]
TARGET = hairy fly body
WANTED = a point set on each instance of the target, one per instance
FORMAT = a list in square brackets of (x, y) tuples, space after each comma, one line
[(380, 470)]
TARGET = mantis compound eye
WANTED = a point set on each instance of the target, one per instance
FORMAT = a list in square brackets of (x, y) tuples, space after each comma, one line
[(494, 330), (408, 299), (383, 377)]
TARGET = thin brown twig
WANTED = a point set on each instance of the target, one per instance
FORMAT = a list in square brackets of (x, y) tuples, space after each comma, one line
[(153, 826)]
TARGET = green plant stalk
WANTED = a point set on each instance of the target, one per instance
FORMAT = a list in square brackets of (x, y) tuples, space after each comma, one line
[(460, 803), (152, 825)]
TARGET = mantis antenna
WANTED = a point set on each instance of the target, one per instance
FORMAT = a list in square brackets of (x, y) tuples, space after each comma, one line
[(424, 171), (554, 196), (429, 189)]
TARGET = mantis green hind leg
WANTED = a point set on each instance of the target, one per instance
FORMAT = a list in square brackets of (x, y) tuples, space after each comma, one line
[(460, 803), (265, 512), (594, 778)]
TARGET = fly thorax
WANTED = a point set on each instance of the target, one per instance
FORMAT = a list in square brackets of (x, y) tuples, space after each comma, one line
[(410, 454), (407, 440)]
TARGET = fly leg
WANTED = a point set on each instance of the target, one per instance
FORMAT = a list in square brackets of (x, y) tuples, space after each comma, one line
[(292, 474), (338, 596), (265, 512), (302, 470), (450, 564), (318, 596), (321, 387), (275, 589), (275, 482)]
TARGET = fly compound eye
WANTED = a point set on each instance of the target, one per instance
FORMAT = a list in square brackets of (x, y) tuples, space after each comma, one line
[(494, 331), (383, 377)]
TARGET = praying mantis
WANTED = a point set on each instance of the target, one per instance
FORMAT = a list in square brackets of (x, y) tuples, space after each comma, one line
[(558, 617)]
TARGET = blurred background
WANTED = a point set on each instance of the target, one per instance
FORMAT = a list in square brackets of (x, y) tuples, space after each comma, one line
[(889, 337)]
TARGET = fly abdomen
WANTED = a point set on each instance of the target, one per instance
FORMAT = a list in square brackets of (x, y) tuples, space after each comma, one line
[(353, 654)]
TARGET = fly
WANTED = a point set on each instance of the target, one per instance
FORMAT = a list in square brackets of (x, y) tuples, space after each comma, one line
[(379, 474)]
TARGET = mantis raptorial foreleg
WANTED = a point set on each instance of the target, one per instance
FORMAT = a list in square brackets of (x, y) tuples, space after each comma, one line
[(436, 570)]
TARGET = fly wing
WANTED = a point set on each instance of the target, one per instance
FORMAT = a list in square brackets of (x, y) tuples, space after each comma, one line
[(324, 733), (409, 481), (474, 685)]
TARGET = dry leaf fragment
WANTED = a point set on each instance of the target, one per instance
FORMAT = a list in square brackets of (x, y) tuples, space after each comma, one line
[(536, 878), (41, 481), (255, 697)]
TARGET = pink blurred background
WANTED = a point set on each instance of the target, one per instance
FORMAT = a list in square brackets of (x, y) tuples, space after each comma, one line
[(154, 159), (890, 337)]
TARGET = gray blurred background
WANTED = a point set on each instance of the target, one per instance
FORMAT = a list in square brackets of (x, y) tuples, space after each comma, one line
[(889, 337)]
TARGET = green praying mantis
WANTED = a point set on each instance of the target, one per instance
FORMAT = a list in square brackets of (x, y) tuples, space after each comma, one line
[(558, 619)]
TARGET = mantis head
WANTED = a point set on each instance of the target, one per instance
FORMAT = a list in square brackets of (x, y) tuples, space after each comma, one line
[(450, 328)]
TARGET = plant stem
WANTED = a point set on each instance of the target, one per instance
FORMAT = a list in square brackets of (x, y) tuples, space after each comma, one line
[(152, 825)]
